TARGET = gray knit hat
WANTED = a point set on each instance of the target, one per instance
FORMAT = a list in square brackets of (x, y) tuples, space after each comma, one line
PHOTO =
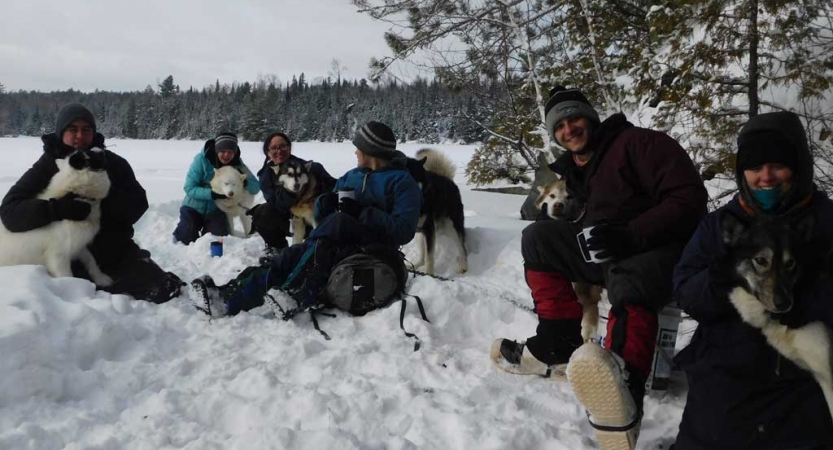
[(564, 103), (225, 141), (70, 113), (375, 139)]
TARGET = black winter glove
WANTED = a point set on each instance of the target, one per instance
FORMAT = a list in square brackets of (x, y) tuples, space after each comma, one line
[(611, 240), (722, 276), (328, 203), (216, 196), (69, 207), (349, 206), (543, 214)]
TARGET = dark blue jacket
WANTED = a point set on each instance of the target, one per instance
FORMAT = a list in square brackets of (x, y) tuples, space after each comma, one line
[(391, 201), (742, 393)]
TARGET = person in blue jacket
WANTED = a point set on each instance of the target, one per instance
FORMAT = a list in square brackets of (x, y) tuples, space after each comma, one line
[(199, 214), (385, 211), (742, 393)]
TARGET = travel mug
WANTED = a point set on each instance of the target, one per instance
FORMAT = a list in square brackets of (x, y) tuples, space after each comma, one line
[(346, 193), (216, 249)]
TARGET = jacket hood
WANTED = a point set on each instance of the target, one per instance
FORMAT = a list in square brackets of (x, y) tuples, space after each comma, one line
[(789, 126), (211, 155), (53, 146)]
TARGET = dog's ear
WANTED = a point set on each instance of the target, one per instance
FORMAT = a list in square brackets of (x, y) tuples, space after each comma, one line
[(78, 160), (308, 165), (733, 227), (541, 189)]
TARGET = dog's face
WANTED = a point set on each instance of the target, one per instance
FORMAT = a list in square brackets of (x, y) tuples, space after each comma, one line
[(764, 256), (292, 175), (92, 159), (555, 196), (228, 181)]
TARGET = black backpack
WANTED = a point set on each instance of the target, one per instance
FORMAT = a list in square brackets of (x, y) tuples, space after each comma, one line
[(369, 279)]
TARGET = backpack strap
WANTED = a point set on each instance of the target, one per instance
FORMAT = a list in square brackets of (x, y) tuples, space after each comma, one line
[(402, 318)]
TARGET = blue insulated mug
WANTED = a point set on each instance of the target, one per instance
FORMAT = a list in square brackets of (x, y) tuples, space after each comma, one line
[(216, 248)]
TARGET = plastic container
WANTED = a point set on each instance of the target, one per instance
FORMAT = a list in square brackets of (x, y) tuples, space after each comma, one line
[(216, 249)]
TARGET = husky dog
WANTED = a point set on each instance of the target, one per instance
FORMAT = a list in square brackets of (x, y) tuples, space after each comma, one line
[(442, 207), (763, 255), (296, 178), (229, 181), (55, 245), (560, 206)]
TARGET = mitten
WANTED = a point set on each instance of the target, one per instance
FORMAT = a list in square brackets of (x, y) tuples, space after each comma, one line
[(349, 206), (216, 196), (69, 207), (543, 214), (611, 240)]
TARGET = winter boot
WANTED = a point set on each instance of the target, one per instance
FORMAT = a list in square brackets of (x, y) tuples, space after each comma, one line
[(269, 253), (610, 382), (246, 291), (546, 354), (205, 296)]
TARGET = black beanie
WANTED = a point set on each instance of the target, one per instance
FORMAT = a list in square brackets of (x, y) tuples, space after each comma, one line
[(564, 103), (70, 113), (765, 146), (225, 141), (375, 139)]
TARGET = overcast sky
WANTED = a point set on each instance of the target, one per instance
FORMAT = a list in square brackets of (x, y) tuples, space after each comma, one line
[(125, 45)]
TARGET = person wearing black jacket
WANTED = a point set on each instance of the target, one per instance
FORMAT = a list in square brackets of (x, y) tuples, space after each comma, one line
[(742, 393), (271, 219), (133, 271)]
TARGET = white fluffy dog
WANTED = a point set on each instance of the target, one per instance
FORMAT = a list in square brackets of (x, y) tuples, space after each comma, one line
[(230, 182), (58, 243)]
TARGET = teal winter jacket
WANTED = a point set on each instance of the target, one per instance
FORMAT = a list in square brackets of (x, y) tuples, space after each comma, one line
[(197, 181)]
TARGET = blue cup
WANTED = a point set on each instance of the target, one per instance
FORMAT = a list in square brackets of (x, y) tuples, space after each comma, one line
[(217, 248)]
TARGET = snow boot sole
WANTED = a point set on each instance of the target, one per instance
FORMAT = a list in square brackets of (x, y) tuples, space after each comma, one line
[(598, 381)]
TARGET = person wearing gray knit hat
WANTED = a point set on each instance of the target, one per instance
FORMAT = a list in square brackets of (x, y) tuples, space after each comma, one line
[(70, 113), (565, 103), (376, 139)]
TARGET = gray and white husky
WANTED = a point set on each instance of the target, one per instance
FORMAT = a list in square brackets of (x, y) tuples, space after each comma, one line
[(763, 254), (296, 178), (55, 245)]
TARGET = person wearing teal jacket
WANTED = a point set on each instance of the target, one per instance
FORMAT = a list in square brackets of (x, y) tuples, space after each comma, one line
[(199, 214)]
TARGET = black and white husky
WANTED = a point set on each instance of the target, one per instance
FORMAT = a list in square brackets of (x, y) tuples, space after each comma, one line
[(55, 245), (442, 207), (297, 178), (763, 255)]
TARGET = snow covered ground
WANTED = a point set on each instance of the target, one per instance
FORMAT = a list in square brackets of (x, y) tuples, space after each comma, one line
[(82, 369)]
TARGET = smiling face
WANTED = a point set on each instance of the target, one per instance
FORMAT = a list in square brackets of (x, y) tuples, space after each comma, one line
[(768, 176), (572, 133), (279, 150)]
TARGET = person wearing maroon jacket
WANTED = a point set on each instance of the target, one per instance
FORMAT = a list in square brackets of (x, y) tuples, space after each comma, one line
[(642, 194)]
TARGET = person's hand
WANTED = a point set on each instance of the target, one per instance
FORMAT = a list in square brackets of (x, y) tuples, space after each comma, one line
[(611, 240), (543, 214), (69, 207), (349, 206), (722, 275), (328, 203), (217, 196)]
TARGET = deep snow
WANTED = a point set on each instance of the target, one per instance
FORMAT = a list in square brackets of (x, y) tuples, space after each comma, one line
[(88, 370)]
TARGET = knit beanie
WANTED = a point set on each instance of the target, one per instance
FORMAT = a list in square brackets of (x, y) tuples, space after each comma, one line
[(225, 141), (765, 146), (564, 103), (70, 113), (375, 139)]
